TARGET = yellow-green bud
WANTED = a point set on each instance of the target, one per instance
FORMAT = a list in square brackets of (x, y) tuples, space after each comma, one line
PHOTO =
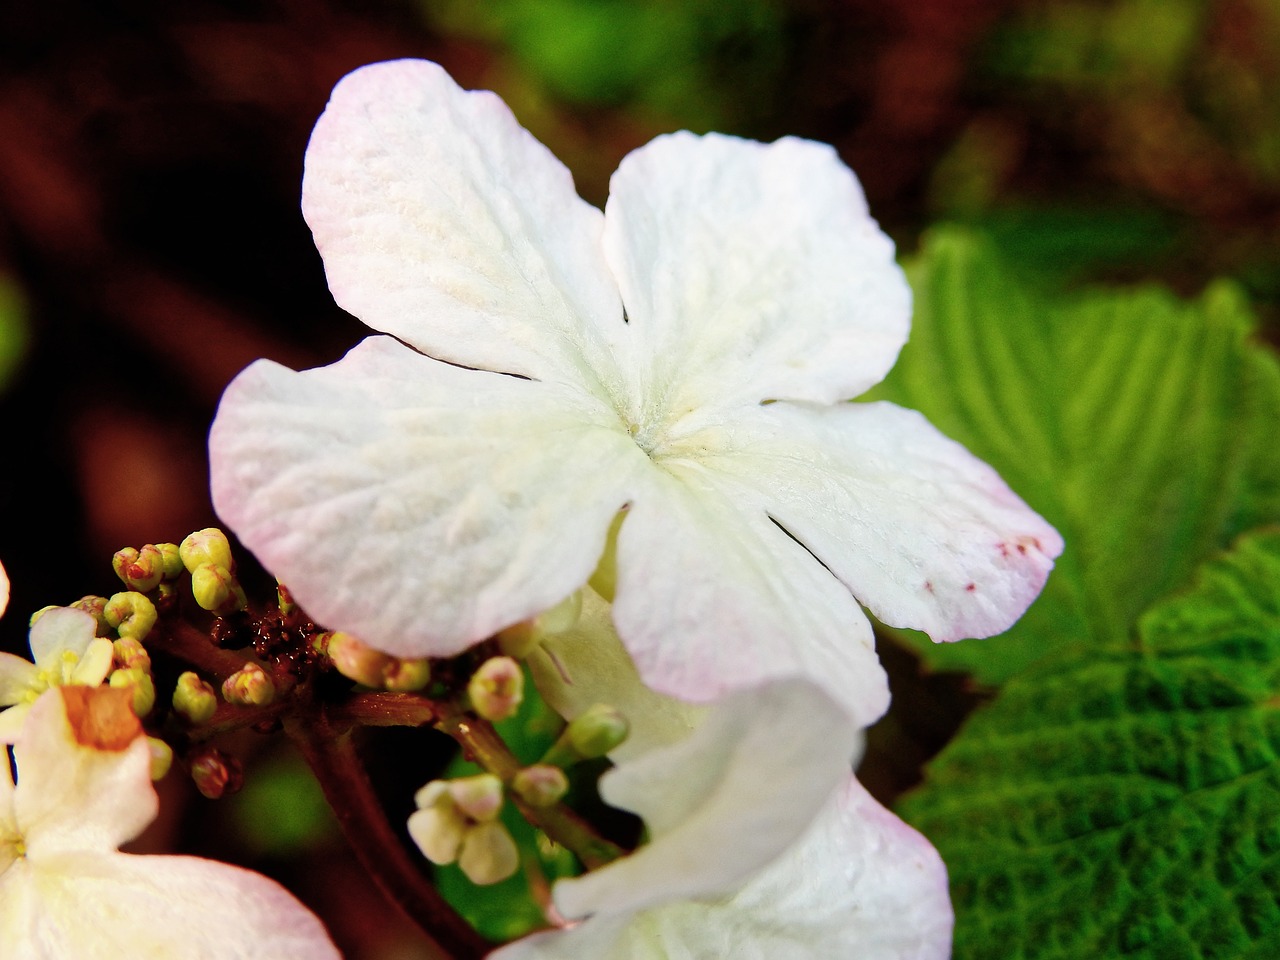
[(128, 652), (131, 613), (406, 676), (593, 733), (194, 699), (209, 545), (141, 685), (540, 785), (140, 570), (356, 660), (488, 854), (216, 589), (161, 757), (250, 686), (94, 606), (284, 599), (496, 688), (171, 556)]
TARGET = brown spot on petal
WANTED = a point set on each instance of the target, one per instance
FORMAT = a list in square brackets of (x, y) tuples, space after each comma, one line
[(101, 718), (928, 585), (971, 587)]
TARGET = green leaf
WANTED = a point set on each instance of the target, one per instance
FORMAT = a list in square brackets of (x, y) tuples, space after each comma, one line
[(1126, 802), (1140, 425)]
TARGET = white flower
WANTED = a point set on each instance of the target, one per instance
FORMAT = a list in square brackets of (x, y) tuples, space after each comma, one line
[(683, 354), (83, 788), (65, 650), (4, 590), (762, 845)]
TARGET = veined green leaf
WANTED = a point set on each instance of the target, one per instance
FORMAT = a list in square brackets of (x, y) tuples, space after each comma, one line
[(1125, 802), (1140, 425)]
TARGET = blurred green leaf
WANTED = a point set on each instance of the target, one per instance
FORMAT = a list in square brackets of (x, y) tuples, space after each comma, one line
[(1140, 425), (281, 811), (13, 330), (1126, 801)]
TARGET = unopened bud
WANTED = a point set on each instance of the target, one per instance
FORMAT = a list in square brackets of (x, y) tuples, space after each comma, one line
[(540, 785), (488, 854), (194, 699), (94, 606), (406, 676), (128, 652), (216, 589), (161, 757), (140, 570), (496, 688), (171, 557), (140, 683), (356, 660), (284, 599), (131, 613), (437, 826), (249, 687), (215, 774), (478, 797), (593, 733), (209, 545)]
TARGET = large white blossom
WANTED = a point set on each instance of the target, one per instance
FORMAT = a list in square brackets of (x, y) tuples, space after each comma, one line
[(762, 846), (65, 649), (83, 788), (684, 354)]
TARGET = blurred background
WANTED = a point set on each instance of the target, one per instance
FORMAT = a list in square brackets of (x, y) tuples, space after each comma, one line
[(151, 244)]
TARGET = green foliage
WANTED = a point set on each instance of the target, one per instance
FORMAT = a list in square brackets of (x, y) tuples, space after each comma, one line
[(13, 331), (281, 811), (1137, 424), (1126, 801)]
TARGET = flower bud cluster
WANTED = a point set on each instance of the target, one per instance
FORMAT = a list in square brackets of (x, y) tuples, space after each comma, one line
[(206, 554), (457, 820)]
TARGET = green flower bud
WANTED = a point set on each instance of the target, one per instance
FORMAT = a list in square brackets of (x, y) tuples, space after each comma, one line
[(496, 688), (128, 652), (593, 733), (141, 684), (161, 757), (540, 785), (406, 676), (488, 854), (171, 559), (250, 686), (194, 699), (209, 545), (95, 607), (216, 589), (140, 570), (131, 613), (284, 599)]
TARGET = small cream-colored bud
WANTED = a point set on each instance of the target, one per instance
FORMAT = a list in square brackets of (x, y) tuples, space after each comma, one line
[(356, 660), (194, 699), (496, 688), (488, 854), (541, 785), (161, 757), (406, 676), (131, 613), (209, 545), (250, 686), (141, 685), (437, 827)]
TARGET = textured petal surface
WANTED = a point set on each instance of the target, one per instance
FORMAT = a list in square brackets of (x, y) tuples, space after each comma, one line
[(924, 533), (751, 271), (419, 505), (442, 221), (61, 629), (722, 803), (860, 883), (104, 906), (588, 664), (712, 598), (71, 796)]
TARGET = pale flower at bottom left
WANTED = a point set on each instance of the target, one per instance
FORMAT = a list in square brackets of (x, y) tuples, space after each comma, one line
[(66, 891)]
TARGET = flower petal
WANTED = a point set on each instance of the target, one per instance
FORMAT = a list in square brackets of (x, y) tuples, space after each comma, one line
[(101, 906), (77, 795), (418, 505), (924, 533), (712, 598), (58, 630), (4, 590), (442, 221), (17, 676), (860, 883), (588, 664), (722, 803), (752, 271)]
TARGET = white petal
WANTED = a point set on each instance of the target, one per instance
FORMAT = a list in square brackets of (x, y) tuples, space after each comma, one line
[(713, 598), (752, 272), (418, 505), (104, 906), (71, 796), (859, 884), (588, 664), (4, 590), (722, 803), (17, 676), (11, 721), (58, 630), (442, 221), (924, 533), (95, 664)]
